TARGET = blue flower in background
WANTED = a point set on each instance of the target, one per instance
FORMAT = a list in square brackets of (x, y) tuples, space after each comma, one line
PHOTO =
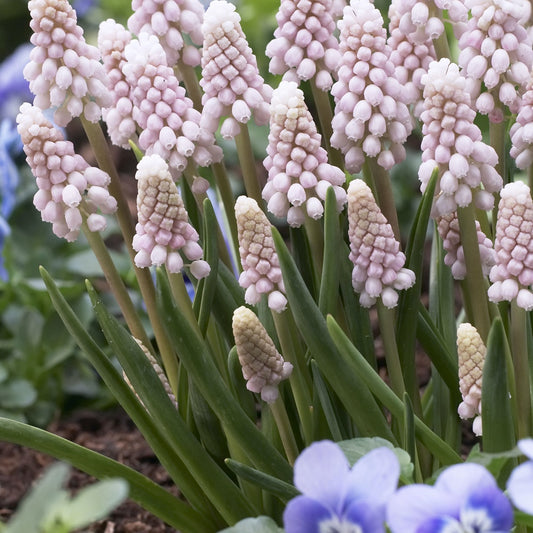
[(82, 7), (520, 483), (337, 499), (464, 499), (14, 89)]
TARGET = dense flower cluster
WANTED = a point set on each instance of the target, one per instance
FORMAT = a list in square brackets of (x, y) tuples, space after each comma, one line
[(263, 367), (496, 51), (170, 125), (448, 228), (298, 170), (64, 71), (168, 20), (70, 191), (163, 229), (522, 130), (231, 81), (471, 352), (304, 45), (371, 117), (512, 274), (378, 262), (112, 41), (261, 272), (454, 143)]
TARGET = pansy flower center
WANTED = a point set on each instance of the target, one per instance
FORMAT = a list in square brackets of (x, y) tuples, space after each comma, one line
[(334, 525)]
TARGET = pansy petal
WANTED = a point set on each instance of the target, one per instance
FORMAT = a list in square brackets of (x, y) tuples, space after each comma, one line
[(412, 506), (487, 509), (520, 487), (463, 479), (369, 517), (375, 476), (526, 447), (320, 472), (303, 515), (441, 524)]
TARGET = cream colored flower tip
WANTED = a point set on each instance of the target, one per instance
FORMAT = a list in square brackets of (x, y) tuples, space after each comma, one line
[(378, 262), (163, 229), (263, 367), (471, 352), (261, 271)]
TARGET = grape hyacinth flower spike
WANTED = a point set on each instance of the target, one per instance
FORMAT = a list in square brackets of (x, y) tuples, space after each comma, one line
[(168, 20), (231, 81), (512, 275), (64, 71), (448, 228), (336, 497), (496, 50), (170, 125), (112, 41), (465, 497), (304, 45), (453, 143), (261, 271), (371, 117), (378, 262), (70, 190), (163, 229), (298, 170), (263, 367), (471, 352), (522, 130)]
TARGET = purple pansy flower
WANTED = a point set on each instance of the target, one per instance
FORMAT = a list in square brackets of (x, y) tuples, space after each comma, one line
[(337, 498), (520, 483), (465, 498)]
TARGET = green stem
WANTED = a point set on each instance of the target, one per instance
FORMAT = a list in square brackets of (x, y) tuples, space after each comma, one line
[(388, 335), (325, 116), (103, 157), (247, 161), (300, 379), (190, 80), (475, 291), (285, 429), (385, 197), (315, 236), (497, 135), (181, 297), (521, 368), (117, 286)]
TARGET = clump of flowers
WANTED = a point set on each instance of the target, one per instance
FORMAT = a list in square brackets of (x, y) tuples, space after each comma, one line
[(261, 272), (263, 367), (170, 125), (304, 44), (298, 170), (163, 229), (70, 190), (231, 81), (520, 482), (496, 51), (371, 117), (454, 143), (378, 262), (465, 497), (471, 352), (64, 71), (512, 274), (168, 20), (522, 130), (448, 228), (336, 497), (112, 41)]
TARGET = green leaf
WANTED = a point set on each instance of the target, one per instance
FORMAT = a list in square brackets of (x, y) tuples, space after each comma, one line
[(493, 462), (37, 503), (354, 449), (497, 418), (262, 524), (380, 389), (347, 384), (144, 491), (17, 394), (93, 503), (285, 491)]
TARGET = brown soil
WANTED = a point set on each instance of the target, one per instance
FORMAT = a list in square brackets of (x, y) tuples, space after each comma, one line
[(110, 433)]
